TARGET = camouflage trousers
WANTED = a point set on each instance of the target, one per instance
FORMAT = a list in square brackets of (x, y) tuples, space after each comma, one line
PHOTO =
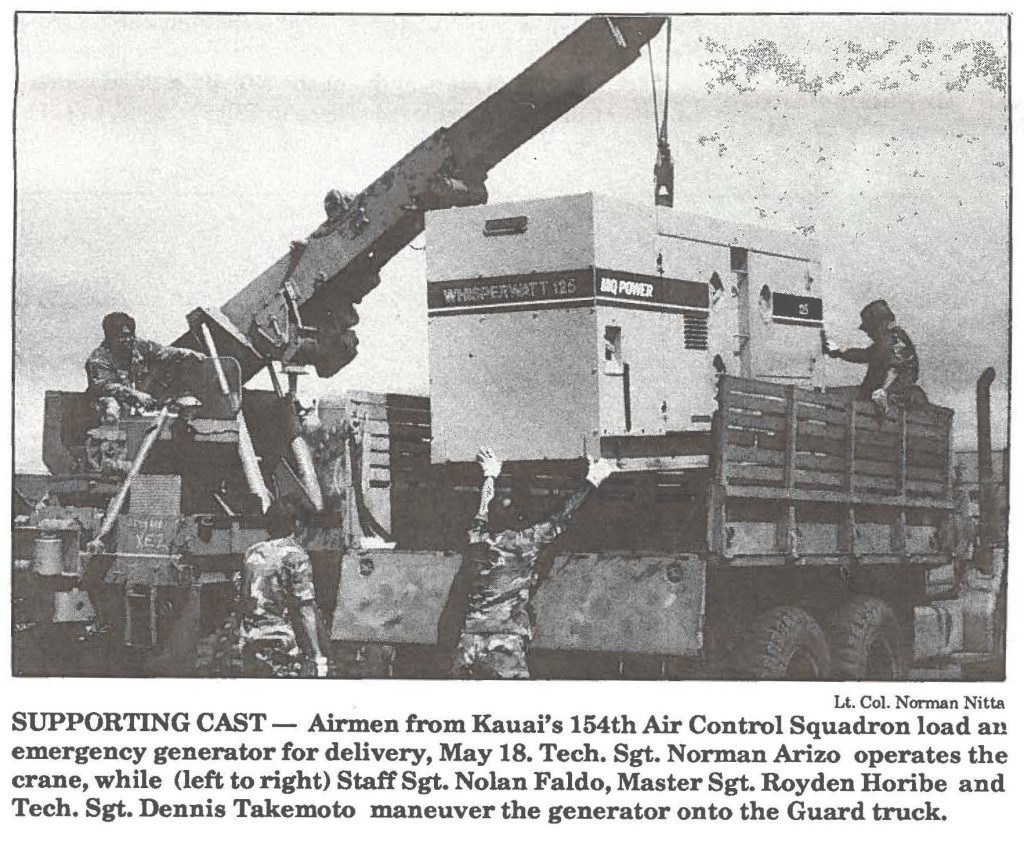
[(491, 656), (242, 650), (270, 650)]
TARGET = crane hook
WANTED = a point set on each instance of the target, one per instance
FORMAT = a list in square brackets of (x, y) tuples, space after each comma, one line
[(664, 175)]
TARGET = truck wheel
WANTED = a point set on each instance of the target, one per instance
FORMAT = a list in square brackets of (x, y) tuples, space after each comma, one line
[(784, 644), (867, 642)]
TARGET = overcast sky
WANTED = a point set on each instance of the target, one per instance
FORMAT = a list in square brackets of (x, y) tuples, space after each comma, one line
[(164, 161)]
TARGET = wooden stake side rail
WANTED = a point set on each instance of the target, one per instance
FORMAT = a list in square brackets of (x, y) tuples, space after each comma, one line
[(792, 439), (784, 454), (797, 477)]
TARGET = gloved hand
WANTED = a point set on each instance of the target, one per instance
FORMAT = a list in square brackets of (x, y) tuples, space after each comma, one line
[(489, 463), (831, 349), (880, 398), (599, 470)]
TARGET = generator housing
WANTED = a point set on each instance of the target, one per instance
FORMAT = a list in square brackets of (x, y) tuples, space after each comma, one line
[(558, 326)]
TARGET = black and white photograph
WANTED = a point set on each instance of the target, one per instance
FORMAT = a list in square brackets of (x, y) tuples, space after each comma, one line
[(553, 347)]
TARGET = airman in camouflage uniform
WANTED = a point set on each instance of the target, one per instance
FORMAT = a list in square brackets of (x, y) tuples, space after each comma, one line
[(122, 365), (275, 589), (891, 360), (498, 625)]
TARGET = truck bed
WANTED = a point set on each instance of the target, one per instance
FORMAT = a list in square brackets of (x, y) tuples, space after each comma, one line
[(805, 492)]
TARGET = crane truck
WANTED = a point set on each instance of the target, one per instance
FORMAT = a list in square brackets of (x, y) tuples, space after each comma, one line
[(762, 526)]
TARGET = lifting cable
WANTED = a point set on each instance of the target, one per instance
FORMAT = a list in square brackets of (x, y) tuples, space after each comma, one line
[(664, 170), (668, 78), (654, 91)]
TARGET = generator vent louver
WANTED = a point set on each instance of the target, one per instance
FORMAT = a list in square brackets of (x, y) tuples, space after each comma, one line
[(695, 331)]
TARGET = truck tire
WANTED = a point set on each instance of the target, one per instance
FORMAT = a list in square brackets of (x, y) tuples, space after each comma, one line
[(784, 644), (867, 642)]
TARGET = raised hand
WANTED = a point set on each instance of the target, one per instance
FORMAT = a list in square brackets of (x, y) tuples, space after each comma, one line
[(490, 464)]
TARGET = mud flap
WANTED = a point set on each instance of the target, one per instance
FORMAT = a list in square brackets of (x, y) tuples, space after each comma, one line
[(938, 629), (177, 650)]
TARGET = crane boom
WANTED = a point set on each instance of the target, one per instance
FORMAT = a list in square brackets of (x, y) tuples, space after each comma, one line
[(562, 78), (301, 309)]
